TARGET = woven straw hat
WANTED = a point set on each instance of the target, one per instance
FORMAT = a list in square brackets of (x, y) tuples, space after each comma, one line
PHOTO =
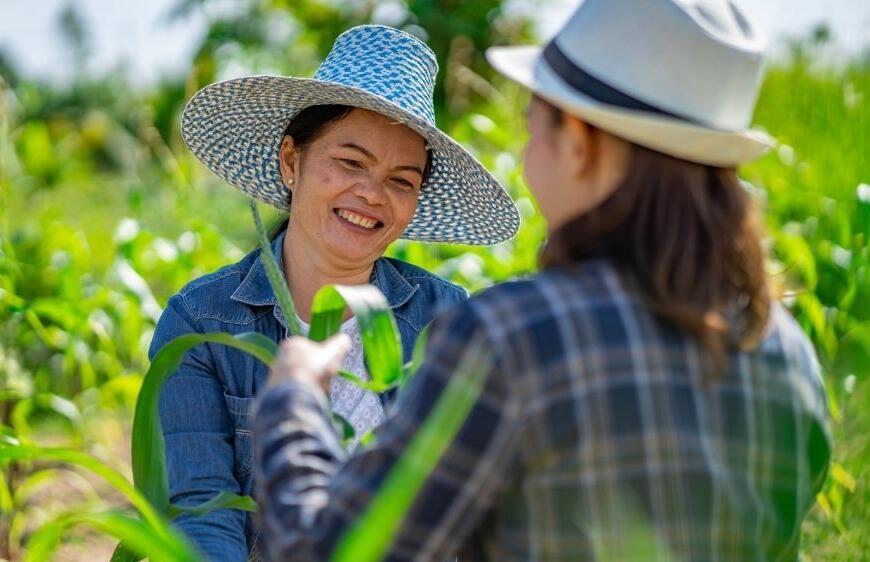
[(235, 128)]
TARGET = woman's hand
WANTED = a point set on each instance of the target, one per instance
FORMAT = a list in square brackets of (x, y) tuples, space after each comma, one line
[(302, 360)]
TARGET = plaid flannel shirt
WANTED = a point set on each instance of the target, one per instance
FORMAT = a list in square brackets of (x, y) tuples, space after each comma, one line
[(597, 436)]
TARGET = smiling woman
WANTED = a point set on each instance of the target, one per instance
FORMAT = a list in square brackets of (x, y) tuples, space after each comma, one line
[(357, 152), (354, 189)]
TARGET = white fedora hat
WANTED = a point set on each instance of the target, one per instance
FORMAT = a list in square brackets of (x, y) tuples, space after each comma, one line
[(235, 128), (678, 76)]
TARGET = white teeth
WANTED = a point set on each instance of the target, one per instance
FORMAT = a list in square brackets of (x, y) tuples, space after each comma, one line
[(357, 219)]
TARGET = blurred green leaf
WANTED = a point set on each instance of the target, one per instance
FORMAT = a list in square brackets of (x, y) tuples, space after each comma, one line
[(345, 428), (135, 534), (41, 402), (223, 500), (27, 487), (842, 477), (798, 256), (418, 355), (5, 493), (18, 452), (37, 150)]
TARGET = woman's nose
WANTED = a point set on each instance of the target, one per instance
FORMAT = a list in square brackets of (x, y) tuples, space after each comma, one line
[(371, 191)]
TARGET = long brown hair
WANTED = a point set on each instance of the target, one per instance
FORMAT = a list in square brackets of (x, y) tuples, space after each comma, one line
[(690, 236)]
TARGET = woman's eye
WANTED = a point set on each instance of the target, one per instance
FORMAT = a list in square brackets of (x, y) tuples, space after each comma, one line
[(405, 184), (355, 164)]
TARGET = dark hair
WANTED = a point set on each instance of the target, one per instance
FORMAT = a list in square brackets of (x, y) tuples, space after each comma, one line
[(310, 123), (306, 127), (690, 236)]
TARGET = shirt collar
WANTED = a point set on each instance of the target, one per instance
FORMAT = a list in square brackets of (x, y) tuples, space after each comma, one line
[(255, 290), (392, 284)]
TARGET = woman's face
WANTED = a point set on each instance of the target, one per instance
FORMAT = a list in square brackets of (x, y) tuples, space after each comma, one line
[(355, 187), (570, 166), (542, 165)]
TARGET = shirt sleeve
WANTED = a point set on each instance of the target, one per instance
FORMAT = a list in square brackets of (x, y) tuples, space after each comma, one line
[(199, 442), (310, 493)]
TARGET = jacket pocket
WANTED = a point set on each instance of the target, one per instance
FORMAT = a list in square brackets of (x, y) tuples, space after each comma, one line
[(243, 447)]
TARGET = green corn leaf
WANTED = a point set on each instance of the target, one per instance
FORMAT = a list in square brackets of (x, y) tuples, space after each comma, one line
[(343, 427), (139, 536), (61, 406), (8, 436), (366, 438), (6, 500), (347, 375), (369, 538), (327, 313), (275, 276), (124, 554), (364, 384), (19, 452), (380, 336), (417, 355), (35, 481), (223, 500), (798, 256), (148, 446), (45, 540), (831, 512), (842, 477)]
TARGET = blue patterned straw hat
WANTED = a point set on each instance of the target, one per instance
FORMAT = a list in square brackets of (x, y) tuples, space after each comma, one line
[(235, 128)]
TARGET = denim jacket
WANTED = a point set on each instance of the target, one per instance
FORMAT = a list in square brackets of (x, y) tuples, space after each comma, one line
[(205, 405)]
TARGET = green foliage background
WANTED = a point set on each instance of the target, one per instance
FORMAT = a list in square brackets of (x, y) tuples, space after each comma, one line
[(104, 215)]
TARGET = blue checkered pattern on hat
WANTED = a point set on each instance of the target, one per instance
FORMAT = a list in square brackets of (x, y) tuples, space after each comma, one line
[(235, 127), (405, 68)]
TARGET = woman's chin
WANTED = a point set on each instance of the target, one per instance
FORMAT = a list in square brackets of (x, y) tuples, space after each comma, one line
[(356, 254)]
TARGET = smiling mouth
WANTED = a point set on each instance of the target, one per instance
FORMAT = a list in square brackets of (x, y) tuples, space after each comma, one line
[(359, 220)]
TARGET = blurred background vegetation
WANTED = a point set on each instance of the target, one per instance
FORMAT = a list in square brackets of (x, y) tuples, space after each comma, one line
[(104, 215)]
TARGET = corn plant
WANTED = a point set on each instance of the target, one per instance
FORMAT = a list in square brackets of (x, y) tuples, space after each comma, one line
[(149, 533)]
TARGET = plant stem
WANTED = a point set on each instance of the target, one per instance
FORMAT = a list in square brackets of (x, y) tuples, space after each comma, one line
[(275, 275)]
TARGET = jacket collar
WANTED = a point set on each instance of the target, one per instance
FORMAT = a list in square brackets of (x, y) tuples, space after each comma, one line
[(255, 290)]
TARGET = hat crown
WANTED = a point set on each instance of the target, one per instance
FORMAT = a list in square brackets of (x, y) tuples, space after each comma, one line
[(701, 59), (385, 62)]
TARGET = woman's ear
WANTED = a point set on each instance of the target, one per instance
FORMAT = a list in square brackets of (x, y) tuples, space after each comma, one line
[(288, 159), (578, 144), (599, 159)]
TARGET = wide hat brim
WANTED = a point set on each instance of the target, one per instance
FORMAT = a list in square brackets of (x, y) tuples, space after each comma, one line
[(526, 66), (235, 127)]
